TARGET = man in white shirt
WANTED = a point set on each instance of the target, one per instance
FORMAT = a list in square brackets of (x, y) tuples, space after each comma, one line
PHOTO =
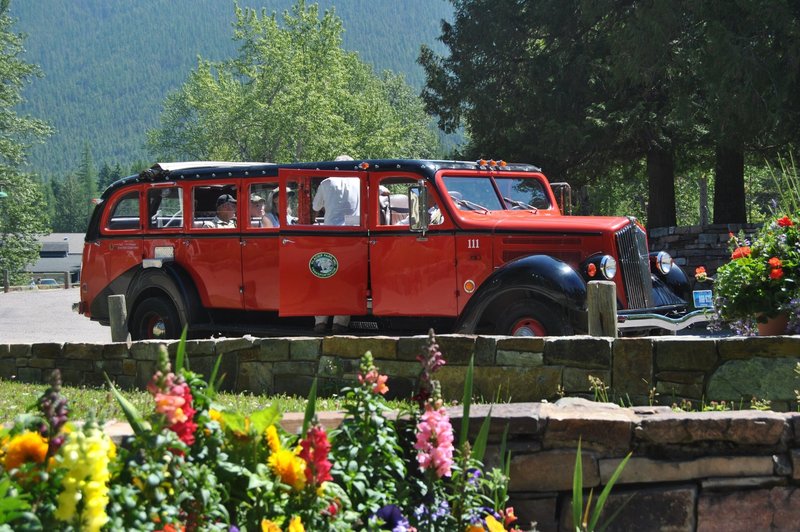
[(341, 199)]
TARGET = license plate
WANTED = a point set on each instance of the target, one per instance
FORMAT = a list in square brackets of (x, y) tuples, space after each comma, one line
[(703, 299)]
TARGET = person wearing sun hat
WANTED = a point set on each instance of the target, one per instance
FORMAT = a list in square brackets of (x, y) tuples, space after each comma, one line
[(226, 213), (258, 216)]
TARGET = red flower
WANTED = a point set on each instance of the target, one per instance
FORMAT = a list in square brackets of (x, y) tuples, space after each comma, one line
[(700, 273), (314, 450), (776, 273), (738, 253), (785, 222), (775, 262), (186, 429)]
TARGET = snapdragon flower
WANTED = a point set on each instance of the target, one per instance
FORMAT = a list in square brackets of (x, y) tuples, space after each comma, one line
[(434, 443)]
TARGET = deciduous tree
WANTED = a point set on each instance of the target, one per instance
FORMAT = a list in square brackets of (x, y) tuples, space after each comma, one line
[(291, 94)]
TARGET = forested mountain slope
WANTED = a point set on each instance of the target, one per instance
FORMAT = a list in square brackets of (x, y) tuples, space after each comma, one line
[(108, 65)]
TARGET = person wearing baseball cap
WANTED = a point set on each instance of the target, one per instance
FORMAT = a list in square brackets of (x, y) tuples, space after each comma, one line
[(226, 213)]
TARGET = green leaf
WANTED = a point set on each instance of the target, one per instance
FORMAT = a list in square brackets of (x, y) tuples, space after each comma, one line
[(260, 420), (181, 354), (135, 419), (213, 384), (604, 495), (311, 406), (479, 449), (466, 401), (577, 490)]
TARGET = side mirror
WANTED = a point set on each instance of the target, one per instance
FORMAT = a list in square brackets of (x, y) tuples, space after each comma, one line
[(419, 218), (563, 194)]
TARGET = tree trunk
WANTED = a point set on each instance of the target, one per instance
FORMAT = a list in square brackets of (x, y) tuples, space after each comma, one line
[(661, 188), (729, 200)]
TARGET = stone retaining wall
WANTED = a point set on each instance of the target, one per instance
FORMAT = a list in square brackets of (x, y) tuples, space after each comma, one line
[(638, 371), (698, 245)]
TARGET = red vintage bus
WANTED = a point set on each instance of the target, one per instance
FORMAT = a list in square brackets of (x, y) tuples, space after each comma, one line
[(470, 247)]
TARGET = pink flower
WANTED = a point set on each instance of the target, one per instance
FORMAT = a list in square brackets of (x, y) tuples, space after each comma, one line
[(377, 380), (434, 443), (170, 406)]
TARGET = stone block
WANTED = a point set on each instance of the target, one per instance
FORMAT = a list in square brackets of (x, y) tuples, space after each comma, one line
[(117, 350), (456, 348), (683, 377), (254, 377), (604, 427), (200, 348), (342, 346), (147, 350), (742, 483), (551, 471), (19, 350), (523, 419), (759, 377), (72, 377), (577, 379), (502, 383), (685, 354), (94, 379), (273, 349), (410, 347), (247, 354), (331, 366), (55, 350), (794, 456), (578, 352), (78, 365), (679, 390), (399, 368), (525, 344), (5, 351), (223, 346), (761, 509), (292, 384), (82, 351), (485, 350), (31, 375), (8, 369), (126, 382), (633, 366), (649, 508), (42, 363), (112, 367), (764, 346), (539, 510), (295, 368), (519, 358), (305, 348), (129, 367), (742, 427), (652, 471), (144, 372)]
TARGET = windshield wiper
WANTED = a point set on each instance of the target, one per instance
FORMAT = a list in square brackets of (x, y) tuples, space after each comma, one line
[(472, 205), (521, 204)]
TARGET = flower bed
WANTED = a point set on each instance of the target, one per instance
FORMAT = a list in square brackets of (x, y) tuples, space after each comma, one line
[(760, 281), (191, 466)]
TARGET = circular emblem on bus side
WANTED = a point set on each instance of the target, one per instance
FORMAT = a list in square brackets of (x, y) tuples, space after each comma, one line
[(323, 265)]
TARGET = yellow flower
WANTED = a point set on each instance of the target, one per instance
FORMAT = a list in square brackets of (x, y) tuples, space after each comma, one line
[(289, 467), (24, 448), (273, 440), (269, 526), (215, 415), (295, 525), (494, 525)]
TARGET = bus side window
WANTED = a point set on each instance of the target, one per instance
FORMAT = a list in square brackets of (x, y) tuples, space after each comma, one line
[(125, 214), (165, 208)]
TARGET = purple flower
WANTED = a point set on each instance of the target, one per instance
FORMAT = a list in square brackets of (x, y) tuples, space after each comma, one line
[(393, 519)]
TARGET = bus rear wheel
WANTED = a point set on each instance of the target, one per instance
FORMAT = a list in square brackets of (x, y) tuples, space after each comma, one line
[(532, 318), (155, 318)]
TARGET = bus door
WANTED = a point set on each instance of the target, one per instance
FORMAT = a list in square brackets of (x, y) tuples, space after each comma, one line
[(211, 248), (260, 245), (410, 274), (322, 252)]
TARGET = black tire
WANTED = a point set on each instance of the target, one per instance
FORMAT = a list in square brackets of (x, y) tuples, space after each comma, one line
[(533, 318), (155, 318)]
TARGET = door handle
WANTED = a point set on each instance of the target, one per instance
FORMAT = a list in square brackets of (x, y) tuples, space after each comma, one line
[(287, 241)]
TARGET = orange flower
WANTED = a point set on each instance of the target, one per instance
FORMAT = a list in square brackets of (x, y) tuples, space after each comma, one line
[(24, 448), (775, 262), (785, 222), (738, 253), (776, 273), (700, 273)]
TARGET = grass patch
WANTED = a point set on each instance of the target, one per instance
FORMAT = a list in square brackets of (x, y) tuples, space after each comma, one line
[(17, 398)]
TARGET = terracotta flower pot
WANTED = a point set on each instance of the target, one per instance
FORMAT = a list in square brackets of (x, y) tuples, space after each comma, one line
[(774, 326)]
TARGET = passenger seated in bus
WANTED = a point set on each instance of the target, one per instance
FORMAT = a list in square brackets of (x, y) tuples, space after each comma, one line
[(258, 215), (226, 213)]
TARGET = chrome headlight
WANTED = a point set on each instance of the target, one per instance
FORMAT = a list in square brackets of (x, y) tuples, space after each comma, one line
[(663, 262), (608, 266)]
